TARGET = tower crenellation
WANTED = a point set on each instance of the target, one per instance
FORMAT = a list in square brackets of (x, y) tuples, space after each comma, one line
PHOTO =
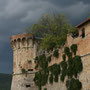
[(22, 41)]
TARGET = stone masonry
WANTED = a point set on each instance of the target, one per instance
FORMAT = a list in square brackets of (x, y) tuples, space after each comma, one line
[(83, 50), (26, 48)]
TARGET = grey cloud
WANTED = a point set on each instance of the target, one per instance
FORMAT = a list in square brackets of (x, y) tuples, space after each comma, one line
[(2, 4), (16, 15), (65, 3)]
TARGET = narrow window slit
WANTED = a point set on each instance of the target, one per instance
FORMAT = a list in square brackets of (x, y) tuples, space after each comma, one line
[(83, 32), (28, 86), (30, 69)]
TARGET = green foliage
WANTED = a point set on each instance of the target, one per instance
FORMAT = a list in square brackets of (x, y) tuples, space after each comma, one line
[(40, 78), (53, 29), (49, 59), (73, 68), (48, 42), (70, 68), (63, 65), (36, 59), (51, 79), (64, 57), (55, 72), (56, 54), (66, 50), (45, 88), (36, 67), (77, 65), (74, 48), (73, 84), (23, 70), (55, 69), (56, 78), (41, 62), (37, 79), (62, 77), (55, 24)]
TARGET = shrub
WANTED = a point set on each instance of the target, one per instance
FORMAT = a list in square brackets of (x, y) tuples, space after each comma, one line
[(56, 78), (64, 57), (74, 48), (66, 50), (51, 79), (45, 88), (49, 59), (56, 54), (23, 70), (70, 68), (73, 84)]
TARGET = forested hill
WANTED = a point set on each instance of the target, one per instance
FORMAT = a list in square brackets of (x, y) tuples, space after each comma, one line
[(5, 81)]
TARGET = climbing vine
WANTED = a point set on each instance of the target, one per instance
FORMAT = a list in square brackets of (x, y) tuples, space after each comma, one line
[(69, 67), (74, 48), (49, 58), (56, 54), (23, 71), (45, 88)]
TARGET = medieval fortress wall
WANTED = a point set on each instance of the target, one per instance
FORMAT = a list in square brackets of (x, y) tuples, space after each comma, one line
[(83, 51), (25, 49)]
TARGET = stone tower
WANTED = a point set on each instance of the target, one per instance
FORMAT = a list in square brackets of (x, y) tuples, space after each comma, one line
[(25, 49)]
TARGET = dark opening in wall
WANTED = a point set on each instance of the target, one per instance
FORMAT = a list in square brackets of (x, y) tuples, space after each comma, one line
[(30, 69), (75, 34), (30, 61), (83, 32), (28, 86)]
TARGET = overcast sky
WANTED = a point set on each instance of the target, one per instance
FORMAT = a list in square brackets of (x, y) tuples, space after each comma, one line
[(17, 15)]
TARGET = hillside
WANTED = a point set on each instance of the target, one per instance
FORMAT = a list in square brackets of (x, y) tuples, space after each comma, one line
[(5, 81)]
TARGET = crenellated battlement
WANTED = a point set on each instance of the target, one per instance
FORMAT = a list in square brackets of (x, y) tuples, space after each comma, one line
[(22, 41)]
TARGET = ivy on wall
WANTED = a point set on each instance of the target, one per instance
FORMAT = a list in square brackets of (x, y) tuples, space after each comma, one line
[(45, 88), (23, 71), (69, 67), (56, 54)]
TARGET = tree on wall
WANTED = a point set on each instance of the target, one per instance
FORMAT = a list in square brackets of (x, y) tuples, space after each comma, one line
[(53, 29)]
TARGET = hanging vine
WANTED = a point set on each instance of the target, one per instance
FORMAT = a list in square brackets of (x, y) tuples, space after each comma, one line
[(56, 54), (70, 67)]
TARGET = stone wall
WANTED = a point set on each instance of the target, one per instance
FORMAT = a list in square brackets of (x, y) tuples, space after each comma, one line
[(25, 49), (23, 82), (83, 51), (84, 77)]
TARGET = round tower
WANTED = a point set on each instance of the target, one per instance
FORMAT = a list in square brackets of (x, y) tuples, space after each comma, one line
[(25, 49)]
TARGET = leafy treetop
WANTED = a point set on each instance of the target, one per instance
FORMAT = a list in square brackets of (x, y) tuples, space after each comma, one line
[(53, 29)]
